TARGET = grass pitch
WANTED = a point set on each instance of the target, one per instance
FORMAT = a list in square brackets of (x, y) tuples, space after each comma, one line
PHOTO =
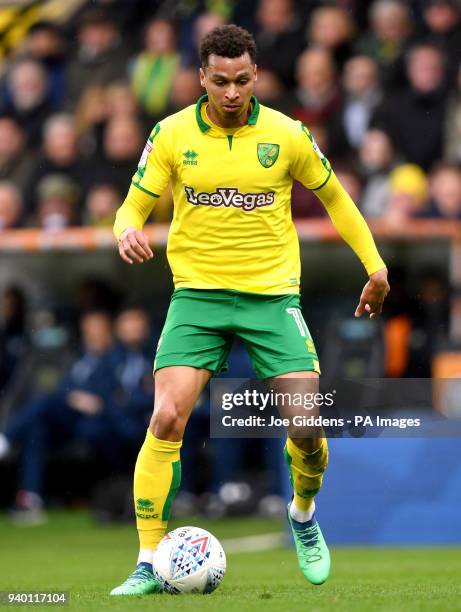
[(70, 553)]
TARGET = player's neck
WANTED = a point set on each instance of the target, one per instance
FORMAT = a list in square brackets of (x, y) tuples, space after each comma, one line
[(232, 122)]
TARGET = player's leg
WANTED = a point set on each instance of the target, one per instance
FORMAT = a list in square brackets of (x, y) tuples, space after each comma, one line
[(192, 346), (307, 459), (306, 450), (281, 347), (158, 468)]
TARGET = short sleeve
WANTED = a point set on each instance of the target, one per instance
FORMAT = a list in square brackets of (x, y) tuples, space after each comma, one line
[(155, 165), (310, 167)]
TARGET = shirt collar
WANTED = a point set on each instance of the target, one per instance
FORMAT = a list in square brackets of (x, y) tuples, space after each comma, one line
[(204, 126)]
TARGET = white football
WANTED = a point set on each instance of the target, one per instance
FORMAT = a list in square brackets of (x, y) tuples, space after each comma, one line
[(189, 560)]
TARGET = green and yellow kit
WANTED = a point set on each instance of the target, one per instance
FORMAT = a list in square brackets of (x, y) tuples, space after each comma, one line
[(232, 229)]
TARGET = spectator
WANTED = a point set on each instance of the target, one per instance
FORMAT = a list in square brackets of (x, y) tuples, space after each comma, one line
[(408, 195), (123, 139), (60, 155), (317, 95), (279, 38), (11, 206), (443, 21), (445, 191), (101, 205), (155, 67), (90, 119), (27, 98), (99, 58), (96, 106), (415, 116), (134, 392), (74, 412), (15, 160), (57, 198), (376, 157), (13, 337), (120, 100), (362, 94), (331, 27), (44, 43), (270, 90), (186, 89), (387, 39)]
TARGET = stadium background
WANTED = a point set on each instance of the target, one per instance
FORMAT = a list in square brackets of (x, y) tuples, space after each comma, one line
[(379, 84)]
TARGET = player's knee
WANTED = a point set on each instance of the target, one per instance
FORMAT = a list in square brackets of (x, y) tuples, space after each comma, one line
[(167, 421)]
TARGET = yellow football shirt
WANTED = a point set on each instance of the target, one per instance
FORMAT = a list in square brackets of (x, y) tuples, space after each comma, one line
[(232, 226)]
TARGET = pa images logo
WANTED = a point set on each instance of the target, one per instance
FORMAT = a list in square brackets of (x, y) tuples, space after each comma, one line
[(268, 153)]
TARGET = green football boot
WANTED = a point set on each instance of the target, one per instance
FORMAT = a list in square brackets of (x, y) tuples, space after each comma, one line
[(140, 582), (312, 551)]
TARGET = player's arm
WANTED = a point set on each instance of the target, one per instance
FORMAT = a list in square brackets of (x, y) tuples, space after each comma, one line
[(354, 230), (133, 244), (311, 168), (149, 181)]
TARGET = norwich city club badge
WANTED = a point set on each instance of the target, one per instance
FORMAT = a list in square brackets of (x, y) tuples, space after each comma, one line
[(267, 153)]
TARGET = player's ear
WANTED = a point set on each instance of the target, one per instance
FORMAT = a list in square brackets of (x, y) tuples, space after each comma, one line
[(202, 77), (255, 72)]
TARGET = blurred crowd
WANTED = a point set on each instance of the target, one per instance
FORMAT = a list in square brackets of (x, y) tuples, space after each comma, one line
[(378, 83)]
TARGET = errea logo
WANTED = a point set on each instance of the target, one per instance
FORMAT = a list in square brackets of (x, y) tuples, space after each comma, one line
[(145, 509), (190, 158)]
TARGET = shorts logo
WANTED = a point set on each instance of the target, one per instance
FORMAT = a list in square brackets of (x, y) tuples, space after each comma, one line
[(230, 196), (267, 153)]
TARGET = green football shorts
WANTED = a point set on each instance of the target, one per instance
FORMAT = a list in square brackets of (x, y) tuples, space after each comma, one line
[(201, 324)]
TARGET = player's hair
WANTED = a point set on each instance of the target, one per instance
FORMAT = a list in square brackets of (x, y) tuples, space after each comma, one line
[(227, 41)]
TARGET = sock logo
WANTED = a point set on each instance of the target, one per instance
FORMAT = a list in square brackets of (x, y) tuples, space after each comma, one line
[(145, 508), (229, 196)]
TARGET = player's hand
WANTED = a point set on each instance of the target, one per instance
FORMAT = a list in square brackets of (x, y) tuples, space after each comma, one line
[(84, 402), (133, 245), (373, 295)]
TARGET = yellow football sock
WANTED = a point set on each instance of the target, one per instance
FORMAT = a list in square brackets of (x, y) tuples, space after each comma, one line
[(306, 472), (157, 476)]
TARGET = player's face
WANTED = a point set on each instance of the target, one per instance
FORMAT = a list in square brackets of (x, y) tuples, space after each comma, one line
[(229, 83)]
